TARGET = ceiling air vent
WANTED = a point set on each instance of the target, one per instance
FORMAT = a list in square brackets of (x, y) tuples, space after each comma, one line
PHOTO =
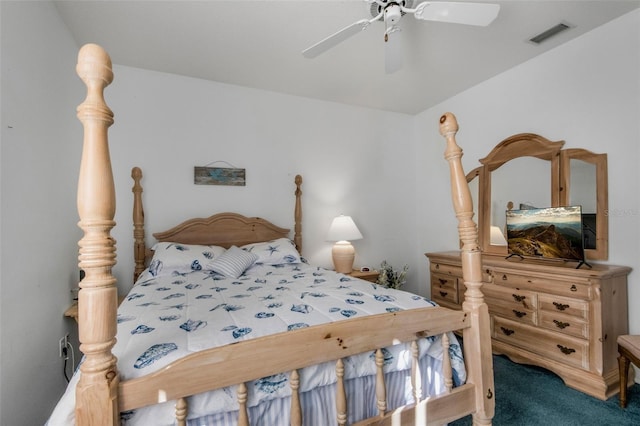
[(556, 29)]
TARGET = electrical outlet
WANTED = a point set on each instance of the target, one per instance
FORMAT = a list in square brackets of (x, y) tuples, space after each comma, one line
[(62, 346)]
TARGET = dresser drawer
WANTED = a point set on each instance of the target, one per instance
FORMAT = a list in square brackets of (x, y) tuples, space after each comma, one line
[(564, 305), (564, 324), (511, 303), (562, 348), (446, 269), (444, 287), (569, 288), (517, 298), (508, 310)]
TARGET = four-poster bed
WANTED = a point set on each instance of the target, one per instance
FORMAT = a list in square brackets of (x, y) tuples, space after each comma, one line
[(103, 394)]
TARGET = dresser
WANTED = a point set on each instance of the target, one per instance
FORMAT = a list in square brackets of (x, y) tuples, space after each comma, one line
[(548, 314)]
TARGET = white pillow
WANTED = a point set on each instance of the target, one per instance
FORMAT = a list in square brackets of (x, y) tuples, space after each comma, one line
[(183, 258), (233, 262), (275, 252)]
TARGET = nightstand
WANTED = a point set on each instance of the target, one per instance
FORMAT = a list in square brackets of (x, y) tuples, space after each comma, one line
[(371, 276), (72, 312)]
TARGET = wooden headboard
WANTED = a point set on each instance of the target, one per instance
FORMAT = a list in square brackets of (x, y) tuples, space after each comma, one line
[(222, 229)]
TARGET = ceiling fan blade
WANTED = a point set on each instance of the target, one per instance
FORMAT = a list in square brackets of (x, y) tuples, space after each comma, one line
[(480, 14), (393, 55), (335, 39)]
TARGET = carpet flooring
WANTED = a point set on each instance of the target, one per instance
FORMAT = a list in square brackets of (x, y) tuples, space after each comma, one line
[(531, 396)]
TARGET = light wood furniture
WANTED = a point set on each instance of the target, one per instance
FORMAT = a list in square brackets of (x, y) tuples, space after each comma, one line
[(629, 350), (72, 311), (548, 314), (100, 394), (371, 276)]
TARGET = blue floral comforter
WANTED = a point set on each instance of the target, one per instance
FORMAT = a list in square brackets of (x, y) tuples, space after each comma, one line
[(166, 317)]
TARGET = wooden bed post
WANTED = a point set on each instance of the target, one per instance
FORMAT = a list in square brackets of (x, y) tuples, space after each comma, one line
[(139, 244), (477, 344), (297, 237), (97, 390)]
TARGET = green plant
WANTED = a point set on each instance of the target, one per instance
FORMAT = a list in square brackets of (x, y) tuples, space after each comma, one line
[(390, 278)]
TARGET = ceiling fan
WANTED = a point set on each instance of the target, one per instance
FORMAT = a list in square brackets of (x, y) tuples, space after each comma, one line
[(391, 11)]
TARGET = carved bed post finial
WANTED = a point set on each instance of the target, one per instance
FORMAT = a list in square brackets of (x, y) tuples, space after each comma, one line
[(477, 345), (297, 238), (139, 245), (96, 393)]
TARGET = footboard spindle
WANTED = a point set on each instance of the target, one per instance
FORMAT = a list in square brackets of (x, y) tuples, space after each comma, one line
[(416, 373), (341, 396), (181, 412), (243, 415), (447, 371), (296, 409), (381, 390)]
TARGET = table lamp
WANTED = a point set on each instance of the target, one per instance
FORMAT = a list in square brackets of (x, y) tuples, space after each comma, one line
[(343, 230)]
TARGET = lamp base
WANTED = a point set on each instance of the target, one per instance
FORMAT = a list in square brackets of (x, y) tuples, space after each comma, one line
[(343, 255)]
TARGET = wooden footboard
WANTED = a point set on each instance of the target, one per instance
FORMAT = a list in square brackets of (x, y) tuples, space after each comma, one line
[(227, 365), (100, 396)]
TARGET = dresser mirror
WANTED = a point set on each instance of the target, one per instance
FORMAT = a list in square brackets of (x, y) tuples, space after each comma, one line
[(586, 184), (527, 170), (507, 183)]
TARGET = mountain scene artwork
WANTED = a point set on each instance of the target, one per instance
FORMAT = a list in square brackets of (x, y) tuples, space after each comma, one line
[(553, 232)]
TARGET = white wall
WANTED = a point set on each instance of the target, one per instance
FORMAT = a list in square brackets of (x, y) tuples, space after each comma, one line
[(353, 161), (586, 92), (40, 153)]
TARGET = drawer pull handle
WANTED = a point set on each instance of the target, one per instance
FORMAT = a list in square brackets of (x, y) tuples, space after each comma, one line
[(519, 314), (574, 288), (565, 350), (507, 331), (560, 306), (437, 266), (504, 278), (442, 281), (443, 294), (518, 298), (561, 325)]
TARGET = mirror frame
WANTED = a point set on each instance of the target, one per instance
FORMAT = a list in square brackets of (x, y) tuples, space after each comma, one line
[(516, 146), (601, 252), (533, 145)]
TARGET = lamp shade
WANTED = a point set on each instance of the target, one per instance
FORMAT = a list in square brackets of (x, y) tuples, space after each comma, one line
[(343, 229)]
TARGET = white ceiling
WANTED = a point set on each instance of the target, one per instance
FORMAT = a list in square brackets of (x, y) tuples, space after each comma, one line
[(259, 43)]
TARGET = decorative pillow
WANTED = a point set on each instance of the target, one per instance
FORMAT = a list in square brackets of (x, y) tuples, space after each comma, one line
[(233, 262), (182, 258), (275, 252)]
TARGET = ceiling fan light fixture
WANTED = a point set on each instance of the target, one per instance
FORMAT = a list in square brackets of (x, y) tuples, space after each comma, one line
[(378, 6), (392, 14)]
